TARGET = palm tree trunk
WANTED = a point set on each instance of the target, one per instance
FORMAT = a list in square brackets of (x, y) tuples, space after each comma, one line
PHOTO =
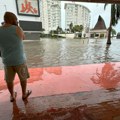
[(109, 31), (109, 34)]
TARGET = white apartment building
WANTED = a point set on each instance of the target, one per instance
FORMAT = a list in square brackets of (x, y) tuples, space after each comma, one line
[(78, 15), (50, 14)]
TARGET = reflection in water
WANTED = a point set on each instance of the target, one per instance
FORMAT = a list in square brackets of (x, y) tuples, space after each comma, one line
[(109, 76), (55, 70), (18, 114), (37, 73), (107, 56)]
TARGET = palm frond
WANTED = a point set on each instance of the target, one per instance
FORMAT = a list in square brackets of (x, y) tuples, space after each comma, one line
[(113, 14), (105, 6), (118, 11)]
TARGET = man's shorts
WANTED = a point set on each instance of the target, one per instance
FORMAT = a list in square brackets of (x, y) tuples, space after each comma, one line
[(21, 70)]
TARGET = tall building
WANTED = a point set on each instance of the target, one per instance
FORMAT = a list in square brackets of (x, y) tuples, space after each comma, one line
[(50, 14), (78, 15)]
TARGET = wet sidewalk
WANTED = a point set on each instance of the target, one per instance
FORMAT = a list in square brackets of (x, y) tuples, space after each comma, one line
[(84, 92)]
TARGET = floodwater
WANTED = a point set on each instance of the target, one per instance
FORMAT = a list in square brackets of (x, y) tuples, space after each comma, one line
[(69, 52), (69, 90)]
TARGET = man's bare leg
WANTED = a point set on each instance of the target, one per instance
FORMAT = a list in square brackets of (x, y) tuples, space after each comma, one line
[(23, 86), (25, 93), (10, 88), (13, 94)]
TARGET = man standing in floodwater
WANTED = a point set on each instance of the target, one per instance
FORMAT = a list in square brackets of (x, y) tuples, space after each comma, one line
[(13, 55)]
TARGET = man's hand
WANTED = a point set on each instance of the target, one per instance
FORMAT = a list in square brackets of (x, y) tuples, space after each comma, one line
[(20, 33)]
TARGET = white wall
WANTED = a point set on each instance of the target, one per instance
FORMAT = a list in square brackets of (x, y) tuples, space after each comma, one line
[(10, 5)]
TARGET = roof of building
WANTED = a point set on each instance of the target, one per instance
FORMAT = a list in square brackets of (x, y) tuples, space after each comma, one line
[(95, 1), (100, 25)]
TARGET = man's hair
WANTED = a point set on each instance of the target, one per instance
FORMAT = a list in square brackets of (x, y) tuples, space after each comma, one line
[(10, 17)]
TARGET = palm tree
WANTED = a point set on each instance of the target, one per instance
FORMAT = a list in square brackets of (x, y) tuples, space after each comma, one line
[(71, 26), (115, 16), (113, 31), (81, 28), (58, 29)]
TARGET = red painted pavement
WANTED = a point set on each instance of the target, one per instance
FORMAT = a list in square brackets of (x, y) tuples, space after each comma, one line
[(60, 80), (69, 79)]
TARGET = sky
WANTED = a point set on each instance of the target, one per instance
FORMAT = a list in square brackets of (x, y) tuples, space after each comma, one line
[(96, 10)]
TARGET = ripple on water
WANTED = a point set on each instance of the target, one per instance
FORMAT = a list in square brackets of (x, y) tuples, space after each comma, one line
[(66, 52)]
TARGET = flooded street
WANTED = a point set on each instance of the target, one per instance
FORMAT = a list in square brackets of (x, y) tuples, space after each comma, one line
[(69, 52), (72, 90)]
